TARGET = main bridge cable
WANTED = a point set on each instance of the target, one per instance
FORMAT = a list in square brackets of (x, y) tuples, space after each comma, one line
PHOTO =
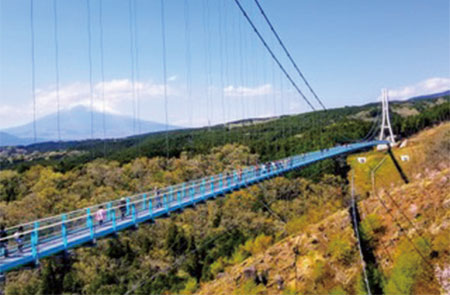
[(261, 38), (370, 134), (286, 51), (293, 83), (288, 54)]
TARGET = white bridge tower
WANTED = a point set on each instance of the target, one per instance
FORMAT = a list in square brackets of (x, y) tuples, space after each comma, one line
[(386, 122)]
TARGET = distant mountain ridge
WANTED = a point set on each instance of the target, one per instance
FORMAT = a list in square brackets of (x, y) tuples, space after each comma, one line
[(8, 139), (430, 96), (75, 124)]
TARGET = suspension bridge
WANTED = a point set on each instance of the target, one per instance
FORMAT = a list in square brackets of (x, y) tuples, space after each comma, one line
[(49, 236), (28, 243)]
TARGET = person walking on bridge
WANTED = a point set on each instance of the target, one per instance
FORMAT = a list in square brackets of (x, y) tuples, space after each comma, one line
[(100, 216), (158, 198), (123, 208), (18, 237)]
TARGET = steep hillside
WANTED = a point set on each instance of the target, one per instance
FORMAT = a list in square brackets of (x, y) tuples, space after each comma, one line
[(405, 226), (327, 262), (409, 229)]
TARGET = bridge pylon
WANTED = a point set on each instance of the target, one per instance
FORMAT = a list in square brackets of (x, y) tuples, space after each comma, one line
[(385, 120)]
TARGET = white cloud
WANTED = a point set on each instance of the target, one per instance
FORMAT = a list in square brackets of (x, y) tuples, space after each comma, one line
[(172, 78), (232, 91), (116, 92), (428, 86), (118, 97), (9, 114)]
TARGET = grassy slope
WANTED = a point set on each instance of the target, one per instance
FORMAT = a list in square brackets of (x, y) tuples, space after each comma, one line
[(426, 201), (387, 174)]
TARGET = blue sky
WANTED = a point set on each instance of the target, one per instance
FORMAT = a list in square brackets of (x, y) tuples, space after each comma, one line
[(348, 50)]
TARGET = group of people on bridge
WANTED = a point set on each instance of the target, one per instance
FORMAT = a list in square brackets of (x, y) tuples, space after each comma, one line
[(18, 238)]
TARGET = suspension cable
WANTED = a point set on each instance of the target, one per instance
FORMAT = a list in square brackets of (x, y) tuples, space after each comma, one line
[(187, 57), (274, 101), (102, 75), (226, 51), (282, 113), (288, 54), (163, 39), (240, 89), (222, 94), (56, 44), (91, 87), (33, 69), (207, 60), (370, 134), (137, 69), (273, 55), (132, 61)]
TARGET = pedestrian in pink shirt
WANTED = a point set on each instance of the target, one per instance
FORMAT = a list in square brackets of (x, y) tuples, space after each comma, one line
[(100, 215)]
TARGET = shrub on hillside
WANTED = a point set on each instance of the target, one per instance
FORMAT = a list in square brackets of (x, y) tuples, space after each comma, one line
[(258, 245), (250, 287), (190, 287), (409, 268), (441, 243), (341, 249), (297, 224), (369, 227)]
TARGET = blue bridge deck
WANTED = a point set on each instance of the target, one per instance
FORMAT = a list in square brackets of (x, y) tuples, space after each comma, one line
[(49, 236)]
